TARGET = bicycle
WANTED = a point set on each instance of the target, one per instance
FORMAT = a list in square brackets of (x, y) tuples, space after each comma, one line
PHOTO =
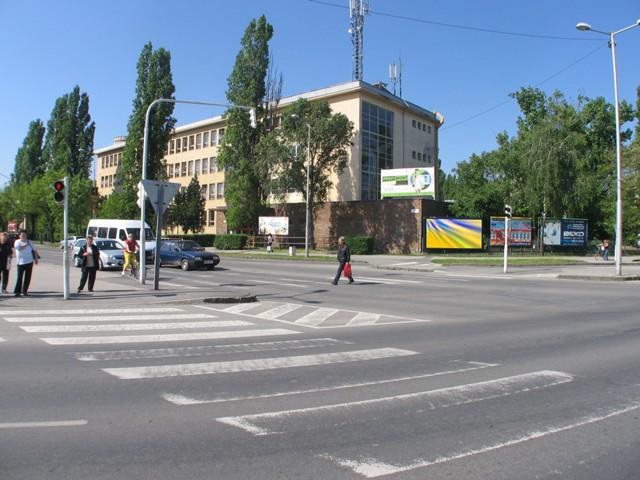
[(132, 264)]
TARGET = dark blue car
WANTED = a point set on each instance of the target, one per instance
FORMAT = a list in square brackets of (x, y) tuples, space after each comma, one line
[(187, 255)]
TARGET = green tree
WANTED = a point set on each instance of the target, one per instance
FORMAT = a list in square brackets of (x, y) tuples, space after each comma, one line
[(29, 162), (68, 144), (154, 81), (187, 210), (245, 189), (322, 135)]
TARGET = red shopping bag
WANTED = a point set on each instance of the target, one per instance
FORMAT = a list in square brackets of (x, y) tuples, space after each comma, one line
[(347, 270)]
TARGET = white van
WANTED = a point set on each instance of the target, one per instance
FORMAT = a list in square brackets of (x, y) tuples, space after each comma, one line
[(117, 229)]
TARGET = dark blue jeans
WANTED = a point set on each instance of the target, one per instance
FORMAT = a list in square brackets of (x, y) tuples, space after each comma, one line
[(339, 273), (24, 278)]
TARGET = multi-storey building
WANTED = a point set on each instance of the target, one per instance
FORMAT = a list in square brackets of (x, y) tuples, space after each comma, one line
[(390, 132)]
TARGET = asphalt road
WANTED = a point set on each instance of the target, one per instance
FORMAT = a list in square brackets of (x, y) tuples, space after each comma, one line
[(401, 375)]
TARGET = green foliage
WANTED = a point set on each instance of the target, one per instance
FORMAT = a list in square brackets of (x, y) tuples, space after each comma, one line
[(187, 209), (230, 242), (117, 205), (204, 239), (29, 163), (360, 245), (68, 144), (154, 81)]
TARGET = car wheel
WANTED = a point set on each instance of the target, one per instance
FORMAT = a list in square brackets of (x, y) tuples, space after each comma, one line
[(209, 267), (185, 265)]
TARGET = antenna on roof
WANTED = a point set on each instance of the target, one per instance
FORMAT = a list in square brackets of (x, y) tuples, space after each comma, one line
[(395, 75), (357, 10)]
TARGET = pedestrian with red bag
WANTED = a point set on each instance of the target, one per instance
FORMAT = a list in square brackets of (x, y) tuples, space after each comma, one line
[(344, 259)]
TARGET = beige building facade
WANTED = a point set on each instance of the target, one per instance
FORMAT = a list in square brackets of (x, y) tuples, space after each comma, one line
[(390, 132)]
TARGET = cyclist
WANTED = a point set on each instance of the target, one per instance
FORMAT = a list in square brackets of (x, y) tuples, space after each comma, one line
[(130, 250)]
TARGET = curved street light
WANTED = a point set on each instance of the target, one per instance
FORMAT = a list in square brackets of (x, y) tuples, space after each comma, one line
[(585, 27)]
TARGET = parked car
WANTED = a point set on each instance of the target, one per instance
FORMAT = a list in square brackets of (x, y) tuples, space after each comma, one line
[(70, 241), (111, 253), (186, 254)]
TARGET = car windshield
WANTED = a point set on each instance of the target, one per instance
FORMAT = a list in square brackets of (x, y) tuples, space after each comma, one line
[(136, 233), (108, 245), (80, 242), (189, 245)]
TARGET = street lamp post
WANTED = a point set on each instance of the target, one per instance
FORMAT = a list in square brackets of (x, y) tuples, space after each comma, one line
[(612, 43), (307, 204), (145, 151)]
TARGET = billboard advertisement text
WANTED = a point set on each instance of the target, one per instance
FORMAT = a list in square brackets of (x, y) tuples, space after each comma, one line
[(408, 182), (519, 232)]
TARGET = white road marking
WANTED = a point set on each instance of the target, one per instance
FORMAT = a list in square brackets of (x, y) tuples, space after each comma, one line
[(180, 399), (295, 285), (403, 263), (387, 281), (179, 285), (279, 311), (160, 371), (134, 326), (316, 317), (90, 311), (209, 350), (363, 318), (2, 340), (241, 307), (118, 318), (433, 399), (464, 275), (64, 423), (371, 468), (175, 337)]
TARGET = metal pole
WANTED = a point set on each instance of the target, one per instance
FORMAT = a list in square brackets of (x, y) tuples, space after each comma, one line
[(306, 229), (65, 233), (506, 242), (618, 248), (159, 213)]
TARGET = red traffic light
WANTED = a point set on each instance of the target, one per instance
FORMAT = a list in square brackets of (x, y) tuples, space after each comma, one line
[(58, 194), (58, 186)]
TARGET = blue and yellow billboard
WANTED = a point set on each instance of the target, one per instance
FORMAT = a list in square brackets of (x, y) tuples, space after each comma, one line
[(454, 233)]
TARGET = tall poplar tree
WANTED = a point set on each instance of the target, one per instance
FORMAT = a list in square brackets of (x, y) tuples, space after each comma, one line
[(245, 187), (29, 162), (68, 144), (154, 81)]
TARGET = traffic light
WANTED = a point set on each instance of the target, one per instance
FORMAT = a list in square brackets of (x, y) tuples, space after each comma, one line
[(507, 211), (140, 194), (58, 191)]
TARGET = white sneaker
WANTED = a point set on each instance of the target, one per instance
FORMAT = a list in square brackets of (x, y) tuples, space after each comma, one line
[(122, 273)]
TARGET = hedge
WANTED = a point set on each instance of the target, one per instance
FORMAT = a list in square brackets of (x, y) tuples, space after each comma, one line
[(230, 242), (360, 245)]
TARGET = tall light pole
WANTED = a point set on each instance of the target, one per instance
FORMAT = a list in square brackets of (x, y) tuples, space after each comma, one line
[(307, 205), (145, 151), (584, 27)]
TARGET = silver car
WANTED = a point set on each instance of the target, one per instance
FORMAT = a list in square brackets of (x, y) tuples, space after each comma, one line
[(111, 253)]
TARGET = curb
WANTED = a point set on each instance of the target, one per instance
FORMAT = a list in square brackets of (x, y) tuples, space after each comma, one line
[(599, 278)]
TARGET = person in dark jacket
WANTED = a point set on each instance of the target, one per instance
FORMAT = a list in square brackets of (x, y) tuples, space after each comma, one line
[(344, 257), (6, 253), (90, 255)]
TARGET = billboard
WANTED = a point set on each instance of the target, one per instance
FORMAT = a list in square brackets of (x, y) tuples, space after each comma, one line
[(454, 233), (273, 225), (408, 182), (567, 232), (519, 232)]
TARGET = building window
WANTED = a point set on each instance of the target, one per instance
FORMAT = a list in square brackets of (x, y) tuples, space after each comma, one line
[(419, 156), (197, 167), (214, 138), (211, 217), (183, 170), (377, 148), (220, 136), (192, 142), (172, 147), (203, 192), (178, 145), (102, 162), (212, 191), (221, 190), (176, 170), (205, 139), (429, 129), (185, 143), (190, 172), (205, 166), (413, 154), (213, 165), (413, 123), (198, 140), (170, 170)]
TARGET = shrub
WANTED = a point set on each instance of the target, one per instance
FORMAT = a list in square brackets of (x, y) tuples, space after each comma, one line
[(230, 242), (360, 245)]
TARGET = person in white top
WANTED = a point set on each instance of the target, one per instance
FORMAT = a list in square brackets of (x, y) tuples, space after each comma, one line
[(26, 256)]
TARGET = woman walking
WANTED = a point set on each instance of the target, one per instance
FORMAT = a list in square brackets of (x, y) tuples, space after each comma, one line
[(26, 256), (6, 253), (90, 255)]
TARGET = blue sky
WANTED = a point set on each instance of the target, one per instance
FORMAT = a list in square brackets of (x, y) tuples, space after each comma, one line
[(48, 47)]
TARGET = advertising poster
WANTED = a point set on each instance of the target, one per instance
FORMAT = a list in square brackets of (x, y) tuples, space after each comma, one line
[(568, 232), (519, 232), (552, 230), (454, 233), (273, 225), (407, 182)]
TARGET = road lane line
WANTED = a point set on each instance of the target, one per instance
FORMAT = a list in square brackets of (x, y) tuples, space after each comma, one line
[(209, 350), (179, 285), (161, 371), (134, 326), (179, 399), (363, 318), (89, 311), (316, 317), (175, 337), (390, 281), (117, 318), (432, 399), (372, 468), (403, 263), (63, 423)]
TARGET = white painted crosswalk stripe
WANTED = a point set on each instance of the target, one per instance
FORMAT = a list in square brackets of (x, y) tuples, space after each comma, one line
[(316, 317), (279, 311), (44, 424), (255, 365), (180, 399), (133, 326), (110, 318), (209, 349), (241, 307), (258, 424), (388, 281), (90, 311), (363, 318), (176, 337)]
